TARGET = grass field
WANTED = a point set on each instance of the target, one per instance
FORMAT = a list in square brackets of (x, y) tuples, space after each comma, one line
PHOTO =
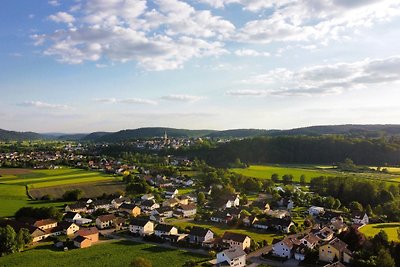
[(13, 181), (310, 171), (115, 253), (220, 229), (371, 230)]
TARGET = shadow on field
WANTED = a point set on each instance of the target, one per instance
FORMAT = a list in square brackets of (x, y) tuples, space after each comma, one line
[(382, 226)]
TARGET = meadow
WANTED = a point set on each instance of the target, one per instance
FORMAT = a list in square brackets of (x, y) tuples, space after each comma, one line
[(310, 171), (220, 229), (13, 183), (114, 253), (371, 230)]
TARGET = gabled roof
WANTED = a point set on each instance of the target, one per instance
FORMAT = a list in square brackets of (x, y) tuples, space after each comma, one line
[(337, 244), (148, 203), (44, 222), (163, 227), (79, 239), (127, 206), (358, 215), (199, 231), (139, 222), (106, 217), (335, 264), (191, 206), (70, 215), (78, 205), (234, 236), (234, 253), (87, 231)]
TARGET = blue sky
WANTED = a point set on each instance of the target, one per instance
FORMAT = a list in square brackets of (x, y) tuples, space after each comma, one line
[(82, 66)]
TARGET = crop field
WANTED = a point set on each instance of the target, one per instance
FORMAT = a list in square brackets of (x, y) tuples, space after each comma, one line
[(220, 229), (310, 171), (115, 253), (13, 184), (371, 230)]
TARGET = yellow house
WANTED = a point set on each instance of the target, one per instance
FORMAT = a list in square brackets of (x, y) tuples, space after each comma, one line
[(132, 209), (335, 250)]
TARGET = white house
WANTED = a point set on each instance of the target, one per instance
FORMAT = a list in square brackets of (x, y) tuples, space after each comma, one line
[(165, 229), (359, 217), (171, 193), (233, 257), (230, 202), (187, 210), (141, 227), (147, 197), (72, 216), (315, 211), (149, 205), (105, 221), (284, 248)]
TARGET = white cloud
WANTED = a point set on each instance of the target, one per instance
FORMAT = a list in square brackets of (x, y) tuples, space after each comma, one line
[(62, 17), (324, 79), (182, 98), (250, 53), (44, 105), (126, 101), (54, 3)]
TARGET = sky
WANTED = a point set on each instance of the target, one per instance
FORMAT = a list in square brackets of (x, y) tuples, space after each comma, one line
[(77, 66)]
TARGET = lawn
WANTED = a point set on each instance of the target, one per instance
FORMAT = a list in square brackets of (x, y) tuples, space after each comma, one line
[(371, 230), (265, 172), (13, 181), (220, 229), (115, 253)]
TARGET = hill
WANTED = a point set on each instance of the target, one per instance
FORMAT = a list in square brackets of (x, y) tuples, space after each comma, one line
[(151, 132), (240, 133), (94, 136), (18, 136)]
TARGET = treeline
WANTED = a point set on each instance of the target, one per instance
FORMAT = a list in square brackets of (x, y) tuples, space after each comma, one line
[(302, 149)]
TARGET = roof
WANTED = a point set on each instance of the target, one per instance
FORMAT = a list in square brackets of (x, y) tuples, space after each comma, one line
[(199, 231), (311, 238), (148, 203), (80, 239), (163, 227), (337, 244), (335, 264), (44, 222), (191, 206), (107, 217), (139, 222), (87, 231), (121, 200), (70, 215), (357, 214), (78, 205), (234, 236), (234, 253), (127, 206)]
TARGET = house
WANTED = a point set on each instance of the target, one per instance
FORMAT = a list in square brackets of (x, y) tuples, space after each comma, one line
[(300, 252), (72, 216), (335, 249), (229, 202), (105, 221), (338, 226), (166, 212), (249, 220), (175, 238), (165, 229), (82, 242), (68, 228), (261, 224), (310, 240), (101, 204), (172, 202), (117, 202), (232, 257), (284, 248), (315, 211), (131, 209), (141, 227), (235, 240), (147, 197), (119, 223), (280, 214), (91, 233), (187, 210), (149, 205), (80, 207), (171, 193), (262, 205), (221, 217), (325, 234), (359, 217), (198, 235), (45, 224), (282, 225)]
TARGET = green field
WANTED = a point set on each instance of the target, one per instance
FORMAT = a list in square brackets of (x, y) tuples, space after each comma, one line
[(220, 229), (310, 171), (115, 253), (371, 230), (13, 181)]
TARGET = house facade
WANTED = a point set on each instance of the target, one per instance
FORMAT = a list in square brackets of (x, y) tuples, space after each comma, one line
[(141, 227), (234, 257)]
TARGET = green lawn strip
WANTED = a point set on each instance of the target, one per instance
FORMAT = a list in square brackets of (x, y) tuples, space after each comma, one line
[(72, 181), (190, 173), (184, 191), (371, 230), (219, 229), (115, 253)]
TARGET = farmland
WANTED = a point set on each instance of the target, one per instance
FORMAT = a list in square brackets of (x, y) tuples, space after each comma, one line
[(371, 230), (219, 229), (13, 183), (115, 253), (310, 171)]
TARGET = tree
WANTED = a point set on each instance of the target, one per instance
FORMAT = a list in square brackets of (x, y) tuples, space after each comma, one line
[(287, 178), (23, 238), (201, 198), (244, 199), (302, 179), (73, 195), (141, 262), (384, 259), (275, 178), (8, 241), (356, 206)]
